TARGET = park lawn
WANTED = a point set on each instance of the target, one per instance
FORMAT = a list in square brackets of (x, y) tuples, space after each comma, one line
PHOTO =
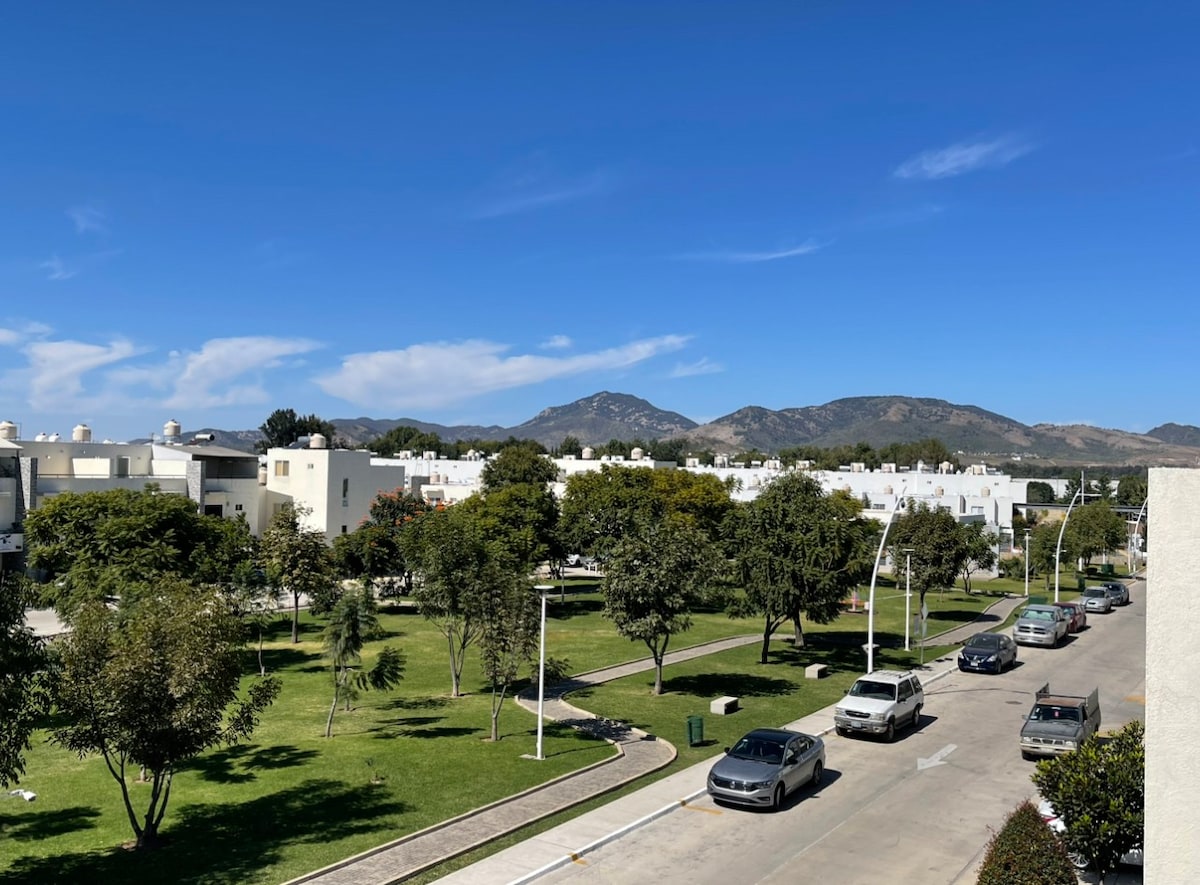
[(291, 801)]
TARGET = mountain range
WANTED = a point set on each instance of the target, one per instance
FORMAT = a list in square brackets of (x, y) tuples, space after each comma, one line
[(974, 433)]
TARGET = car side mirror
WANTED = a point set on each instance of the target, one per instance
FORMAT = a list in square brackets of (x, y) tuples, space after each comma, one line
[(726, 751)]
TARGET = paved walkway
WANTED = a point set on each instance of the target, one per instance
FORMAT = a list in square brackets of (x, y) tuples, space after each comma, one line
[(637, 754)]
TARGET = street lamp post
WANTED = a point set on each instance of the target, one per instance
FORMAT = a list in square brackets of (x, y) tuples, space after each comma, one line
[(874, 574), (907, 594), (1058, 549), (543, 589), (1027, 562)]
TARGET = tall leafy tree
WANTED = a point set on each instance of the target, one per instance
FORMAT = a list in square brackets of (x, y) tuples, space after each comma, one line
[(799, 553), (299, 563), (1099, 793), (93, 545), (1039, 493), (1132, 491), (978, 551), (154, 689), (935, 538), (521, 464), (509, 617), (22, 664), (283, 427), (522, 519), (652, 582), (454, 567), (352, 623), (1093, 529)]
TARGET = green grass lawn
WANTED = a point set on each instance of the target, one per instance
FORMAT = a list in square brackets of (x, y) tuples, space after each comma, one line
[(291, 801)]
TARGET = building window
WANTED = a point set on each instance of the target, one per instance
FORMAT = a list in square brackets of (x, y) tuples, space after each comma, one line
[(345, 487), (237, 508), (343, 530), (281, 468)]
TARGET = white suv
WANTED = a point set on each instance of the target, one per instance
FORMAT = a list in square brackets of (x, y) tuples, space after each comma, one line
[(880, 701)]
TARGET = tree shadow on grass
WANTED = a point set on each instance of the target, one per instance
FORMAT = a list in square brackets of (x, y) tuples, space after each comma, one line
[(743, 685), (563, 611), (963, 616), (427, 703), (436, 731), (276, 659), (229, 844), (237, 764), (49, 824)]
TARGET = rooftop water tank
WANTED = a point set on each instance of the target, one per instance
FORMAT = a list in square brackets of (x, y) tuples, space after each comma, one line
[(317, 441), (588, 453), (637, 454), (54, 437), (8, 430), (81, 433), (171, 430)]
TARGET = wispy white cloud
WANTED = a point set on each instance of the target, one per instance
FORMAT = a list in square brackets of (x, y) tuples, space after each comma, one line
[(805, 248), (20, 333), (529, 193), (702, 366), (57, 269), (88, 219), (213, 375), (56, 369), (438, 374), (556, 342), (964, 157)]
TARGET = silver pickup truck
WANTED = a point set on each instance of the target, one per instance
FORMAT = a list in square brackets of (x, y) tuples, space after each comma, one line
[(1059, 723)]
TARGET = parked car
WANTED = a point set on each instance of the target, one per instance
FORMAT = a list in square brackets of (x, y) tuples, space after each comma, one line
[(1096, 599), (1117, 592), (880, 701), (988, 652), (1135, 857), (765, 765), (1041, 625), (1078, 615)]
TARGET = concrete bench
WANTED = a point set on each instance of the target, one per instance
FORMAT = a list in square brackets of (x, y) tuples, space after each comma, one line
[(723, 706), (816, 671)]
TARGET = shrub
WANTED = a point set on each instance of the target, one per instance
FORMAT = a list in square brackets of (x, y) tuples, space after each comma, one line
[(1026, 850), (1013, 567)]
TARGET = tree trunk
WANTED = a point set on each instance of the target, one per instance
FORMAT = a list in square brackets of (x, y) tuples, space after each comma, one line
[(262, 668), (453, 666), (658, 665), (766, 643), (337, 690), (798, 634), (295, 617)]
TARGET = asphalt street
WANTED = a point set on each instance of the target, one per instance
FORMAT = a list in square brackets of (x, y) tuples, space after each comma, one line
[(919, 810)]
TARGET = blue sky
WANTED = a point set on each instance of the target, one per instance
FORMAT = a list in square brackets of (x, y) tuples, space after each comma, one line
[(467, 212)]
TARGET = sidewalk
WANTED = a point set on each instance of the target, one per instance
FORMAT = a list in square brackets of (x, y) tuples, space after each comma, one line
[(638, 754)]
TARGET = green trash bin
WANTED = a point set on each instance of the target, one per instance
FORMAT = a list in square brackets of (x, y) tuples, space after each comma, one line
[(695, 730), (1082, 583), (1107, 569)]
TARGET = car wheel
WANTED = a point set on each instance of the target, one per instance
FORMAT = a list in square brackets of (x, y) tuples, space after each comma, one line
[(916, 720), (818, 773), (890, 734), (777, 798), (842, 732), (1078, 861)]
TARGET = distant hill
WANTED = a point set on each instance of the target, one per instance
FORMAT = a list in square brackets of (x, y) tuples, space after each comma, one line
[(876, 420)]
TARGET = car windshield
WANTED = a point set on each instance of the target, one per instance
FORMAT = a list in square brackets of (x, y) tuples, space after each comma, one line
[(868, 688), (1094, 591), (1031, 614), (984, 642), (1052, 712), (759, 749)]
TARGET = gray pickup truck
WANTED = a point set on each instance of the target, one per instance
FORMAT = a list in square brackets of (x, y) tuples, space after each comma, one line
[(1059, 723)]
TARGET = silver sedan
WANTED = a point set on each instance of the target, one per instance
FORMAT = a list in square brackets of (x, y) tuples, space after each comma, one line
[(765, 765)]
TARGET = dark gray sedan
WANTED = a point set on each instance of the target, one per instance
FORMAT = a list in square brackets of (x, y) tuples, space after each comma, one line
[(1117, 592), (988, 653), (766, 765)]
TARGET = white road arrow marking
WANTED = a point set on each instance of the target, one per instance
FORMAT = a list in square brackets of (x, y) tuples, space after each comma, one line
[(937, 758)]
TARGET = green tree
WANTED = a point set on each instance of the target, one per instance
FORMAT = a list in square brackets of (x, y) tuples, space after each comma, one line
[(1093, 529), (1043, 545), (22, 666), (569, 446), (1132, 491), (522, 519), (93, 545), (454, 566), (520, 464), (509, 618), (799, 552), (934, 536), (283, 427), (1099, 793), (1039, 493), (651, 583), (405, 438), (979, 551), (352, 623), (298, 562), (1026, 851), (154, 686)]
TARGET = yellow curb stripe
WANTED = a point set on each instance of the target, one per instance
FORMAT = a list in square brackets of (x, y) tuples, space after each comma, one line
[(575, 858), (1135, 698), (704, 810)]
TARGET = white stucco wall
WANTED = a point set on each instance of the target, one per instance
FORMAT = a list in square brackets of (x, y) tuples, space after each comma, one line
[(1172, 671)]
